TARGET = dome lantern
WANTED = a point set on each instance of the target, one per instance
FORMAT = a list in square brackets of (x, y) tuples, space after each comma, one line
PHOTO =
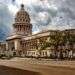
[(22, 6)]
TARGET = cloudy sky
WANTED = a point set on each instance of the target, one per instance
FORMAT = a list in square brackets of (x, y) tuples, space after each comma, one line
[(44, 14)]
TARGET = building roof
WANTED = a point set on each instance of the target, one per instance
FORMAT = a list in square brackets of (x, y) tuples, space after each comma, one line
[(14, 37), (40, 34)]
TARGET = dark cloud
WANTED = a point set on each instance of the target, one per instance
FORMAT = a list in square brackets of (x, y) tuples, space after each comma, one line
[(65, 16), (36, 19), (5, 21), (60, 14)]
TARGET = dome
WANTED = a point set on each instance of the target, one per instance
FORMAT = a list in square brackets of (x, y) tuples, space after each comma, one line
[(22, 15)]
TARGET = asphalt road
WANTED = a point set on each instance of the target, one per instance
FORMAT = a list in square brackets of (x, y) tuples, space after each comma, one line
[(14, 71), (37, 70)]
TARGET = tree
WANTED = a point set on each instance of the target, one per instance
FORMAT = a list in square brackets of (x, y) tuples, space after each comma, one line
[(69, 40), (53, 42), (41, 45), (38, 48)]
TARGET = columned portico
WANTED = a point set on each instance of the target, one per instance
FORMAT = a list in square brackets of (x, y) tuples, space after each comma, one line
[(10, 48)]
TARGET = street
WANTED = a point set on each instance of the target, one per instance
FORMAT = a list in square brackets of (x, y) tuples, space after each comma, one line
[(21, 67)]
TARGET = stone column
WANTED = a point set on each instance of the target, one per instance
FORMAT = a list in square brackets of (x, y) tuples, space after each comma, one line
[(17, 44), (17, 47), (7, 52), (7, 46), (38, 48)]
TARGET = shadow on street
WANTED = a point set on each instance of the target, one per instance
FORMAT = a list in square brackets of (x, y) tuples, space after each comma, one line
[(14, 71)]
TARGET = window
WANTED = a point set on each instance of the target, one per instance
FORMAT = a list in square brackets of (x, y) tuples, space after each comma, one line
[(26, 20), (23, 19)]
